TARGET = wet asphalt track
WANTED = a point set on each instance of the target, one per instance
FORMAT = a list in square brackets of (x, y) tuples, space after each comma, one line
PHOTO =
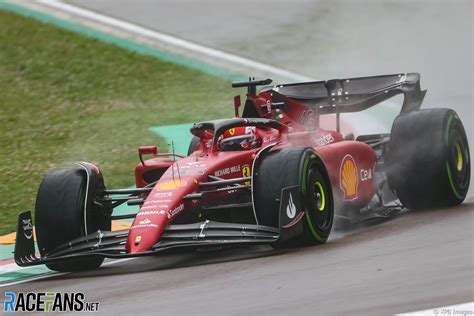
[(415, 261)]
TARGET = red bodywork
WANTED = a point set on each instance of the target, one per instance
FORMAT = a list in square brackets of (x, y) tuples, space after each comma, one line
[(350, 165)]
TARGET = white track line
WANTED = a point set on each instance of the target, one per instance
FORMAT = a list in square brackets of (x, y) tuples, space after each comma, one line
[(39, 277), (459, 309), (174, 41), (53, 274), (10, 267)]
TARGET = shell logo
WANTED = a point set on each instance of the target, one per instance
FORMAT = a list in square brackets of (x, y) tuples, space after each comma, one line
[(170, 185), (349, 179)]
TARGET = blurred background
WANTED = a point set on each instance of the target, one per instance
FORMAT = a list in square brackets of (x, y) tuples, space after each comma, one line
[(328, 39)]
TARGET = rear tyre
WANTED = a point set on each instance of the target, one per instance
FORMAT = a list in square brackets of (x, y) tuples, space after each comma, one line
[(60, 217), (290, 167), (428, 160)]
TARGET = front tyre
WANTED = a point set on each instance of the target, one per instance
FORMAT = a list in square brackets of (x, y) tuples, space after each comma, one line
[(65, 210), (289, 167)]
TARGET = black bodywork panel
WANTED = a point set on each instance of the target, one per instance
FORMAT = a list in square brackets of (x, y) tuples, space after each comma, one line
[(354, 94)]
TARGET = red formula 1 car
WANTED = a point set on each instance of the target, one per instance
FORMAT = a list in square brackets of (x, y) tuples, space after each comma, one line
[(269, 176)]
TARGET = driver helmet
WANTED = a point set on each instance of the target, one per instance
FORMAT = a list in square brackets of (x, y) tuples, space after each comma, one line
[(240, 138)]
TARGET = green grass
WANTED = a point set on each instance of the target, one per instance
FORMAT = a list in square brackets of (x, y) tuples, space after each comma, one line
[(65, 97)]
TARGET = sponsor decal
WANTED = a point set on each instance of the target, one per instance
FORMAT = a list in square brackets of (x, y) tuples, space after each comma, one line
[(197, 126), (349, 178), (291, 208), (144, 226), (148, 206), (145, 221), (48, 302), (163, 194), (176, 211), (365, 174), (171, 185), (246, 171), (178, 171), (324, 140), (145, 213), (225, 171), (138, 239), (195, 165), (27, 228), (269, 106), (250, 130), (269, 139), (260, 121)]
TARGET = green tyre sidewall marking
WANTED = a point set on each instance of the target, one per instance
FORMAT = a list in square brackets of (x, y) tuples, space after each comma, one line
[(448, 169), (451, 182), (308, 216), (448, 126)]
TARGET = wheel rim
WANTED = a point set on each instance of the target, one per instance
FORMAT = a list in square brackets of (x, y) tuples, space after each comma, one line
[(318, 203), (458, 162), (460, 157), (320, 196)]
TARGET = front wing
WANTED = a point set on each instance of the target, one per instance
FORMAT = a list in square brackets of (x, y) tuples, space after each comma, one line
[(111, 244)]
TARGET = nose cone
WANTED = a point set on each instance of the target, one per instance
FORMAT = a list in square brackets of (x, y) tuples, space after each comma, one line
[(162, 205), (146, 230)]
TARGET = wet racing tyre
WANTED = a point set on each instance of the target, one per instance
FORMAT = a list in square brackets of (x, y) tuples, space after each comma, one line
[(428, 162), (289, 167), (63, 213)]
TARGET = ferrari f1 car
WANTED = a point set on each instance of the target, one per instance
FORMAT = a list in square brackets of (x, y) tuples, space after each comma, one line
[(271, 175)]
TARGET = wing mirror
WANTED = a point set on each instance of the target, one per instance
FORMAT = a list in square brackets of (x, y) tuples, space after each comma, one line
[(147, 150)]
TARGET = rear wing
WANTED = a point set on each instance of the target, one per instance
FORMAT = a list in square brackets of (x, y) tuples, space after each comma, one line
[(354, 94)]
